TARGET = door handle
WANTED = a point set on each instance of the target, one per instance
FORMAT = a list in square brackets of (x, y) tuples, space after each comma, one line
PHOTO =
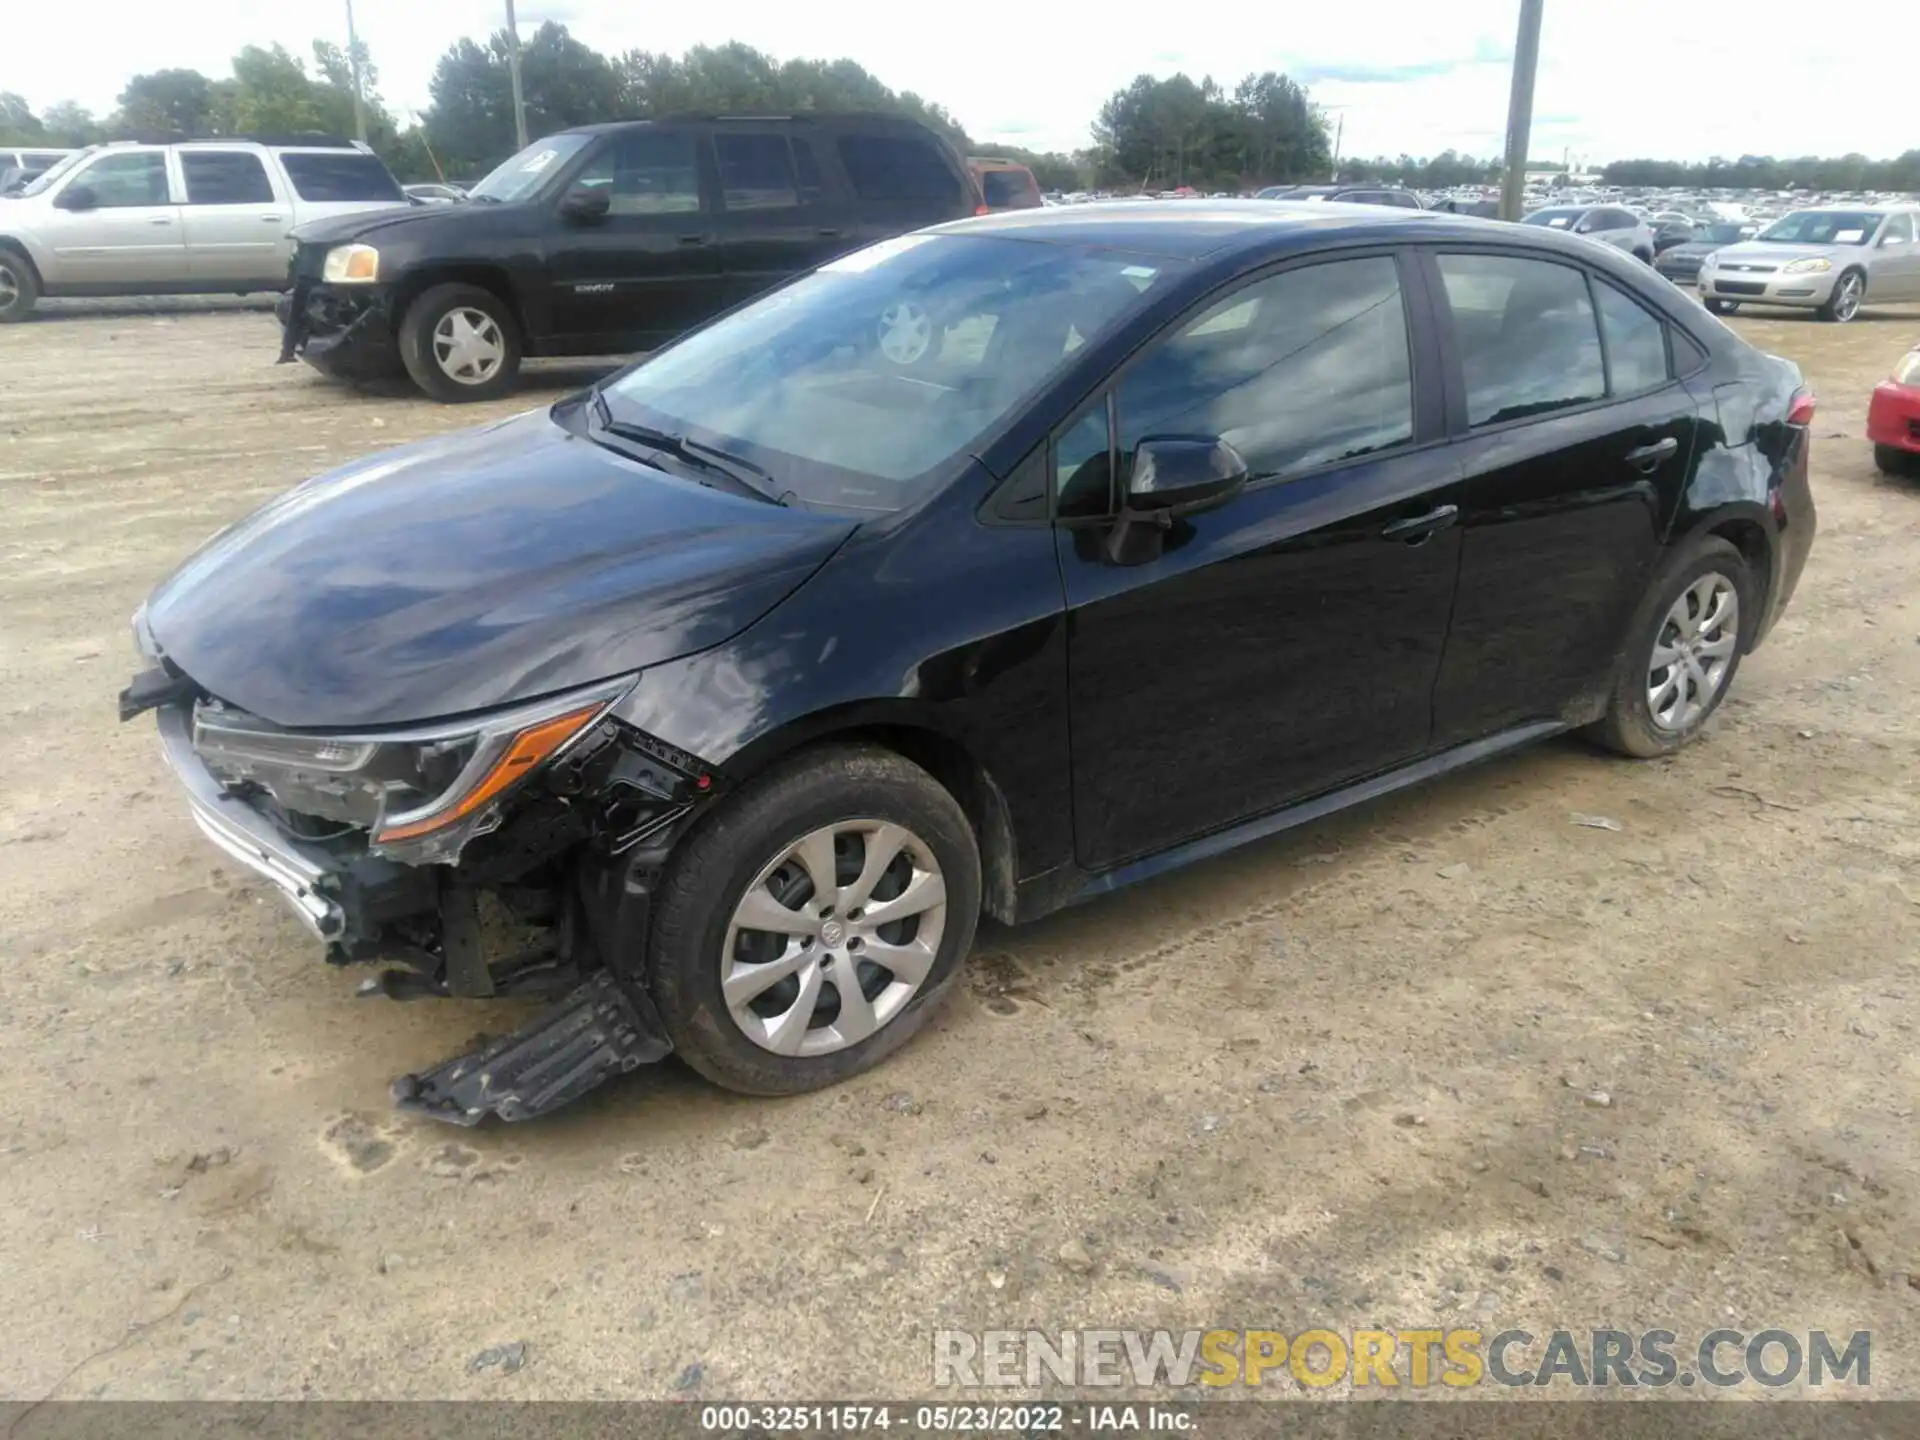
[(1417, 528), (271, 219), (159, 220), (827, 232), (1648, 456), (693, 239)]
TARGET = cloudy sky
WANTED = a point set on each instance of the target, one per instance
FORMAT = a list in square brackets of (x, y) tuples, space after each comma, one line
[(1618, 78)]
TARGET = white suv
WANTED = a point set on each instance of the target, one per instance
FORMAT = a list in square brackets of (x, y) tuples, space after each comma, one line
[(196, 217)]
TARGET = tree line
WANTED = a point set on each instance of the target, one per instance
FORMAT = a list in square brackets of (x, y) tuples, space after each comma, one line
[(1152, 134)]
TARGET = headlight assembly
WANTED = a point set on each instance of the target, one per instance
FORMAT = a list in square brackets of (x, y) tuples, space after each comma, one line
[(1907, 372), (1812, 265), (421, 793), (351, 265)]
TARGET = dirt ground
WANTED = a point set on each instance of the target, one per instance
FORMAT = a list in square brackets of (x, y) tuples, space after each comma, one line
[(1342, 1078)]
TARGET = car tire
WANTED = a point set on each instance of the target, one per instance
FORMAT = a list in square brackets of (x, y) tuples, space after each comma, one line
[(1721, 307), (19, 287), (460, 343), (703, 963), (1892, 460), (1849, 293), (1645, 257), (1686, 590)]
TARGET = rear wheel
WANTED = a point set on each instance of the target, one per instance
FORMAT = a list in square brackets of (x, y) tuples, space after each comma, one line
[(1683, 651), (1891, 460), (807, 929), (1848, 291), (460, 343), (19, 287)]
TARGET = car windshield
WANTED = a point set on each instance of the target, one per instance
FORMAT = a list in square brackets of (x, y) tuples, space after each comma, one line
[(1557, 219), (854, 382), (1822, 227), (526, 172), (1719, 234), (55, 171)]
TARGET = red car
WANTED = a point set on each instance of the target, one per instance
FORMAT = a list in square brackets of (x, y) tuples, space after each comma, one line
[(1893, 420)]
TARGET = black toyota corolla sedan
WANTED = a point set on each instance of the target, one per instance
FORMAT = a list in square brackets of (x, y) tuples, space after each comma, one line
[(986, 569)]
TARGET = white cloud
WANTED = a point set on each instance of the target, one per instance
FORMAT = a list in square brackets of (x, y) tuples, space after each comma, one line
[(1618, 77)]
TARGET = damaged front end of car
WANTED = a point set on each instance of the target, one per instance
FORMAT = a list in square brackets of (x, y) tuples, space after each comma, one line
[(508, 854)]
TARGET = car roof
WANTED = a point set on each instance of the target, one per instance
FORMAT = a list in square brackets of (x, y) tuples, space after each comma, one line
[(1197, 229), (861, 117)]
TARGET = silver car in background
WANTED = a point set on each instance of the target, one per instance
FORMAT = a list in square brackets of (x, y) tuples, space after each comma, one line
[(201, 217), (1609, 224), (1830, 260)]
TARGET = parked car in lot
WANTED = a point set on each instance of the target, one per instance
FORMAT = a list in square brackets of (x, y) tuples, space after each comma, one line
[(15, 178), (614, 238), (1344, 194), (1893, 418), (1829, 260), (1609, 224), (196, 217), (36, 159), (1005, 184), (755, 674), (1681, 263)]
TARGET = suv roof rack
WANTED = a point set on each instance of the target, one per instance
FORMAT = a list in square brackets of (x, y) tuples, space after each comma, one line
[(315, 140)]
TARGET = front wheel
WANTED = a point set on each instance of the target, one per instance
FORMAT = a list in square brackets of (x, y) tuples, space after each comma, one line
[(808, 928), (1891, 460), (459, 343), (19, 287), (1848, 291), (1682, 652)]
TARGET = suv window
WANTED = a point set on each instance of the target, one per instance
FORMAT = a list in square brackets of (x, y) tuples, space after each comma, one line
[(1527, 336), (225, 177), (1006, 188), (897, 167), (649, 172), (321, 177), (119, 181), (1303, 368), (1636, 342), (756, 171)]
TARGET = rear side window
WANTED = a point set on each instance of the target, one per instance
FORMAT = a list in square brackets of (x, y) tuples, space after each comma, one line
[(897, 167), (1305, 368), (335, 177), (1528, 340), (1007, 188), (225, 177), (756, 172), (1636, 342)]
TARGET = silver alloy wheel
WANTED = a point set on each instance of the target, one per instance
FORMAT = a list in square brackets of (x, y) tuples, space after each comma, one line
[(9, 288), (468, 346), (849, 979), (1846, 304), (906, 330), (1693, 652)]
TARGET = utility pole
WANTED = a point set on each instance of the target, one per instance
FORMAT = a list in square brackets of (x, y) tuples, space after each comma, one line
[(513, 70), (359, 97), (1339, 134), (1526, 64)]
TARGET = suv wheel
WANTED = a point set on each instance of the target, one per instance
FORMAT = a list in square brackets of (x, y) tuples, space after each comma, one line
[(1848, 291), (1682, 652), (1891, 460), (19, 287), (460, 343), (808, 928)]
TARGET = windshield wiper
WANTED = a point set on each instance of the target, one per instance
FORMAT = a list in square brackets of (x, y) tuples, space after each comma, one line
[(744, 474)]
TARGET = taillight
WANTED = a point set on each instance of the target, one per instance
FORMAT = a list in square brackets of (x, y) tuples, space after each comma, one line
[(982, 210), (1802, 411)]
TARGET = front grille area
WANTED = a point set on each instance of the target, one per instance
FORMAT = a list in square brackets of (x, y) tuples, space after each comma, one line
[(1738, 287)]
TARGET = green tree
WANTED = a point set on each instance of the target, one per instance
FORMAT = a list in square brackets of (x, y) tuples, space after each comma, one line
[(167, 102), (69, 125), (18, 124), (566, 83), (1160, 134)]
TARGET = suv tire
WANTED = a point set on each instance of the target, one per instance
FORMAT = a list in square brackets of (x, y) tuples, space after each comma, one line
[(460, 343), (19, 286), (751, 853), (1692, 587)]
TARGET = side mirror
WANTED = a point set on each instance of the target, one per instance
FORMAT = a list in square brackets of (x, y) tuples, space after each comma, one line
[(586, 203), (1173, 476), (76, 197)]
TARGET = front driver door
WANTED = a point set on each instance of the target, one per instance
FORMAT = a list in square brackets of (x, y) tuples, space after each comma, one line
[(1288, 641), (130, 236)]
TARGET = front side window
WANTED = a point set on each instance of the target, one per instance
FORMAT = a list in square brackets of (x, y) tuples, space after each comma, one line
[(120, 181), (225, 177), (1636, 342), (897, 167), (756, 172), (1304, 368), (646, 172), (331, 178), (1527, 337), (1899, 231)]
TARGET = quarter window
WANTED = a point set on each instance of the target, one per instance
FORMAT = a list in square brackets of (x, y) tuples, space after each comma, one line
[(121, 181), (333, 176), (225, 177), (1636, 342), (756, 172), (1082, 469), (1304, 368), (897, 167), (1528, 341), (646, 172)]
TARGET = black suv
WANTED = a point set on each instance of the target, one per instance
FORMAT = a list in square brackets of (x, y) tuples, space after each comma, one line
[(608, 239)]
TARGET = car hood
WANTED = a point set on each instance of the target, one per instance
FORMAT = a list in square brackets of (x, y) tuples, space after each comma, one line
[(1692, 250), (1747, 252), (473, 571), (396, 215)]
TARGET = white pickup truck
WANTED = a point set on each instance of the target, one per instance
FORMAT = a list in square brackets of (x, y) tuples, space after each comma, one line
[(194, 217)]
